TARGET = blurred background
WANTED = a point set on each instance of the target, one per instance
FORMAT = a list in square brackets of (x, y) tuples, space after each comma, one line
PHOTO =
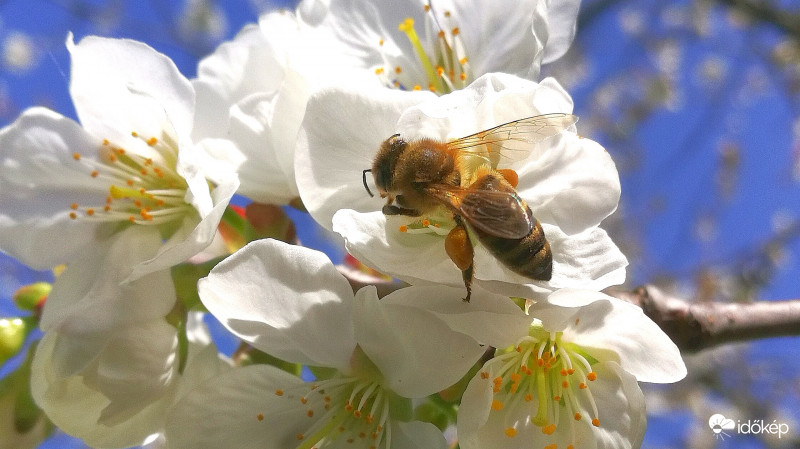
[(698, 102)]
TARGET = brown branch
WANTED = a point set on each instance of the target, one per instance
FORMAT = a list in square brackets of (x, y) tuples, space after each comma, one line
[(765, 12), (693, 326)]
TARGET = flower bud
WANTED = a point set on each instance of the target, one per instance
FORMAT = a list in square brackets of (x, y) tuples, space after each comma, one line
[(32, 296), (13, 332)]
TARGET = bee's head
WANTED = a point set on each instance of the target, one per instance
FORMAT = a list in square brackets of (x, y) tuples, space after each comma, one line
[(384, 163)]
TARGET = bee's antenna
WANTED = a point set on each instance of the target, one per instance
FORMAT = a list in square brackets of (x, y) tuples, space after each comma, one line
[(364, 178)]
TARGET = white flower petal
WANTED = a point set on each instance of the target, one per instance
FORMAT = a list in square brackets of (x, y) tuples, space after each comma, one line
[(574, 184), (105, 72), (352, 30), (640, 346), (251, 128), (417, 435), (224, 412), (561, 26), (415, 350), (225, 77), (502, 36), (490, 319), (341, 132), (623, 418), (39, 181), (417, 258), (286, 300), (589, 260), (560, 308), (491, 100), (473, 412), (135, 369), (60, 397), (90, 296)]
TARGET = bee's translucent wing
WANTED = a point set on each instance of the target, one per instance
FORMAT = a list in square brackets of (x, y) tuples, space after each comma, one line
[(514, 141), (500, 214)]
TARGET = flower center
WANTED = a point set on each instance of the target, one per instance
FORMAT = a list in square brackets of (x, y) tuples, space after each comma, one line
[(343, 409), (144, 187), (444, 63), (547, 376)]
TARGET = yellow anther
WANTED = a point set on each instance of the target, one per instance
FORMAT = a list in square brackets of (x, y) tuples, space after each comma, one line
[(511, 432), (497, 405)]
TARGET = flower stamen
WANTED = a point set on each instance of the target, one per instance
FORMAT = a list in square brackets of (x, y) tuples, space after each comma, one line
[(143, 189), (555, 383)]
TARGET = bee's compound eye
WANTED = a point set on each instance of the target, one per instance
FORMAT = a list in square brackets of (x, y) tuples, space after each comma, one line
[(383, 177)]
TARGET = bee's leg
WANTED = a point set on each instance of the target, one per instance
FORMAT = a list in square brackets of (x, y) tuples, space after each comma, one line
[(391, 209), (459, 249)]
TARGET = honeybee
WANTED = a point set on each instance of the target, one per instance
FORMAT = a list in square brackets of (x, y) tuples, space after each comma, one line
[(419, 177)]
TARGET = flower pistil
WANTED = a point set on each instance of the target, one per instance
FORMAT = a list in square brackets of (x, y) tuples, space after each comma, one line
[(446, 70)]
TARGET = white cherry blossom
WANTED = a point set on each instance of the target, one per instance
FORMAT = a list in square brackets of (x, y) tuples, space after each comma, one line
[(571, 379), (292, 303), (570, 183), (127, 181)]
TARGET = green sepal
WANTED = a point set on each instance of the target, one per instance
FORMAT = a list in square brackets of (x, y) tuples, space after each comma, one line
[(185, 277), (247, 355)]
